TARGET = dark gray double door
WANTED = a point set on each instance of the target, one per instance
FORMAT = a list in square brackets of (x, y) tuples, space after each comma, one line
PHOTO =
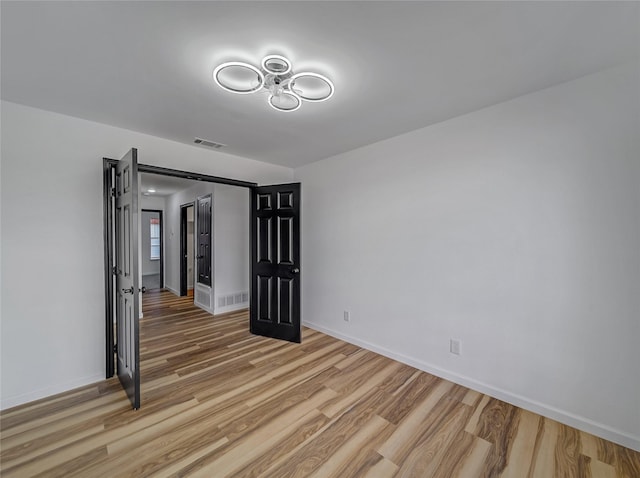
[(275, 265)]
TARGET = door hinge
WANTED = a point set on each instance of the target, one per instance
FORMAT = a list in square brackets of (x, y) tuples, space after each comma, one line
[(113, 192), (115, 348), (114, 270)]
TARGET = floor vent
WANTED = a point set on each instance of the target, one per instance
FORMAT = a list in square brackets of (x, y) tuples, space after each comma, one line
[(233, 299), (203, 298), (208, 144)]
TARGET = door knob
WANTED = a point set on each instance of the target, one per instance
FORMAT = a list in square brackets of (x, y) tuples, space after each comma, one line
[(295, 270), (143, 290)]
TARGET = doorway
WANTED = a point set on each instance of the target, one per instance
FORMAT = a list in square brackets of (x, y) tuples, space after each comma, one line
[(187, 256), (274, 295), (152, 249)]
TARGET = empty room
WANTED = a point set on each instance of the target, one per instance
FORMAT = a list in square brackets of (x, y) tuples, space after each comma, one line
[(320, 239)]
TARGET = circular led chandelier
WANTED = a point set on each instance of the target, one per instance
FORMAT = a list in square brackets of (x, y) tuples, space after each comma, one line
[(286, 90)]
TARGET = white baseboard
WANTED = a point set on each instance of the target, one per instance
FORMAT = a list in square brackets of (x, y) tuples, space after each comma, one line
[(173, 291), (16, 400), (562, 416)]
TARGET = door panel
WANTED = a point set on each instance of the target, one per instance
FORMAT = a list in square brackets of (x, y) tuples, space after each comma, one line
[(204, 240), (285, 239), (127, 279), (275, 251)]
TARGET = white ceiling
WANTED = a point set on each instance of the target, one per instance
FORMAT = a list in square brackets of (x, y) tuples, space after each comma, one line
[(163, 185), (397, 66)]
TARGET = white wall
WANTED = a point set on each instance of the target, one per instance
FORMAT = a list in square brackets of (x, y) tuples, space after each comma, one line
[(53, 323), (231, 245), (515, 229), (152, 202)]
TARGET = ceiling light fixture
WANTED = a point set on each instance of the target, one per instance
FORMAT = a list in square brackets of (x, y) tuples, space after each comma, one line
[(287, 90)]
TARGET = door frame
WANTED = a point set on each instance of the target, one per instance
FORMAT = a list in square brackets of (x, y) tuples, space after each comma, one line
[(108, 166), (159, 211), (108, 171), (184, 267)]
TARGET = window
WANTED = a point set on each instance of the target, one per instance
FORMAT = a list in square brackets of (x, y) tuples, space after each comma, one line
[(155, 238)]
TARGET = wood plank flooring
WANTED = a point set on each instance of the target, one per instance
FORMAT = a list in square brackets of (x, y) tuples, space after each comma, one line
[(217, 401)]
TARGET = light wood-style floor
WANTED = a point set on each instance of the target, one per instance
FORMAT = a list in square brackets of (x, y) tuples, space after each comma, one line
[(217, 401)]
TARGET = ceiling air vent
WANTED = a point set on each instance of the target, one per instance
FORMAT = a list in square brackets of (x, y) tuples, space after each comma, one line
[(208, 144)]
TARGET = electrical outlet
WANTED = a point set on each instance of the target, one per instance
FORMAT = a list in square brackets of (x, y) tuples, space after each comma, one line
[(454, 347), (347, 316)]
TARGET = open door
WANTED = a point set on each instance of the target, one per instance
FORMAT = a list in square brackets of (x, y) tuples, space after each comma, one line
[(275, 262), (127, 278), (203, 221)]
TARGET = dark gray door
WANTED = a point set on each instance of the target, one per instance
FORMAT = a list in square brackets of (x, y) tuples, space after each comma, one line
[(203, 219), (127, 278), (275, 271)]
